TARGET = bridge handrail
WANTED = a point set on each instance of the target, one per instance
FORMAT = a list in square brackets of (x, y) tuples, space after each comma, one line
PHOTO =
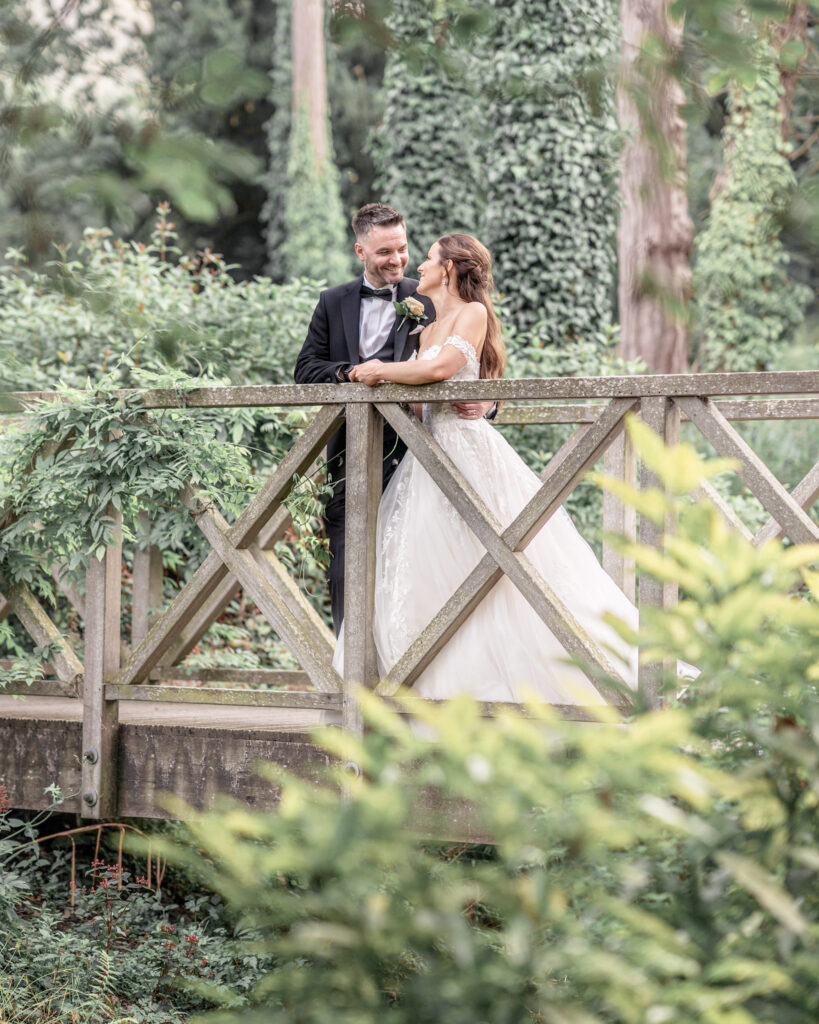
[(520, 389), (241, 553)]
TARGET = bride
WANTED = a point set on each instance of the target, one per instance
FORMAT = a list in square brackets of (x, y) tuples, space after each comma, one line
[(503, 651)]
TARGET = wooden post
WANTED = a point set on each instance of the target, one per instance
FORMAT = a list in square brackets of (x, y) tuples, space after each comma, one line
[(620, 462), (663, 416), (147, 587), (100, 723), (365, 429)]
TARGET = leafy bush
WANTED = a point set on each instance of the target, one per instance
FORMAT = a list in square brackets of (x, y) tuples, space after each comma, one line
[(125, 315), (90, 941), (665, 871)]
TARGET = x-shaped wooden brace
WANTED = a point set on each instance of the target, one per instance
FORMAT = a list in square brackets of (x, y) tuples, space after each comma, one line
[(238, 551), (786, 509), (505, 547), (18, 598)]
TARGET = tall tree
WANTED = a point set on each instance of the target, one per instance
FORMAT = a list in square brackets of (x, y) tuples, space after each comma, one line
[(314, 245), (746, 304), (655, 237)]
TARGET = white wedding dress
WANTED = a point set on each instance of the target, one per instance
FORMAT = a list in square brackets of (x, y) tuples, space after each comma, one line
[(503, 651)]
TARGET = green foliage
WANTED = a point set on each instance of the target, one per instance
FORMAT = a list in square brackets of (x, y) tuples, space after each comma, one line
[(108, 111), (127, 315), (85, 941), (551, 212), (427, 147), (116, 306), (499, 123), (315, 235), (665, 871), (119, 457), (277, 135), (745, 303)]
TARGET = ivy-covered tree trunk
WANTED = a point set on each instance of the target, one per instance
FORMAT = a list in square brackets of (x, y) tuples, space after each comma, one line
[(655, 237), (790, 40), (550, 215), (314, 237), (746, 305), (428, 144)]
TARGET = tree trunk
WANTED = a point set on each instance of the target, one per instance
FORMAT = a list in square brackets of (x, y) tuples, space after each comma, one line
[(655, 236), (310, 70), (793, 29)]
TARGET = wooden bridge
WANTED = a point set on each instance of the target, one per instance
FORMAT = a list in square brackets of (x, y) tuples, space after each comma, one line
[(131, 723)]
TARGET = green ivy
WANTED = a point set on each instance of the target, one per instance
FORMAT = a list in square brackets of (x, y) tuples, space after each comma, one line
[(551, 216), (315, 235), (115, 315), (429, 145), (745, 303)]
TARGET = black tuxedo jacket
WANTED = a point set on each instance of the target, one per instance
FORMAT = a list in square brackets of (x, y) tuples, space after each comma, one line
[(331, 343)]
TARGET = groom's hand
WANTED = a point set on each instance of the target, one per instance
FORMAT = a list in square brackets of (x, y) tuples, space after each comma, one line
[(472, 410), (370, 373)]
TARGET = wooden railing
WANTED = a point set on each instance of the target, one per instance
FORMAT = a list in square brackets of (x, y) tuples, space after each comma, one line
[(241, 554)]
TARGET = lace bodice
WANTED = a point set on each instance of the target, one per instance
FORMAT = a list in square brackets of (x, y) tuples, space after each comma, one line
[(471, 370)]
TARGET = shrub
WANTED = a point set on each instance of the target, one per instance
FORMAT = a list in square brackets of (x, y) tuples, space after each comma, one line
[(665, 871)]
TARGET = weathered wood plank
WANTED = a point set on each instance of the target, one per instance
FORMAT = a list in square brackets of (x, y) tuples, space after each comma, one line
[(172, 632), (620, 462), (100, 724), (215, 605), (706, 492), (551, 609), (42, 630), (42, 688), (272, 592), (247, 676), (788, 513), (365, 431), (197, 764), (558, 477), (266, 501), (147, 589), (162, 634), (663, 416), (72, 595), (734, 409), (805, 493), (225, 697), (783, 382)]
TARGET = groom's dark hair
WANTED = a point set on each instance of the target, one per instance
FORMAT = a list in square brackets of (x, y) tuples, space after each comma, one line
[(375, 215)]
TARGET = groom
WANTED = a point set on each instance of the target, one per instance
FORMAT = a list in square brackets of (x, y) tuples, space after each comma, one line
[(355, 322)]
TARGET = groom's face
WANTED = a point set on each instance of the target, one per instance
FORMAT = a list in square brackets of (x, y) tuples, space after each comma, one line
[(384, 253)]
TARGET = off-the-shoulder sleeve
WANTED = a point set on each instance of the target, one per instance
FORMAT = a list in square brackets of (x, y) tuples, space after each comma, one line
[(463, 346)]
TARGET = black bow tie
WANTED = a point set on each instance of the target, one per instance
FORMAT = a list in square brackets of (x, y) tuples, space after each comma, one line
[(375, 293)]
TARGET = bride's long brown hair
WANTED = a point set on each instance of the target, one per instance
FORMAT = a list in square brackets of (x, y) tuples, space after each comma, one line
[(473, 273)]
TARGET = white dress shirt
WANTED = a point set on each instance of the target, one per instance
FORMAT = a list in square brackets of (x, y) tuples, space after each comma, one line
[(375, 320)]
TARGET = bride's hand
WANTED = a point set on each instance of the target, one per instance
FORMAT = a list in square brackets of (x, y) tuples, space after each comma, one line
[(369, 373)]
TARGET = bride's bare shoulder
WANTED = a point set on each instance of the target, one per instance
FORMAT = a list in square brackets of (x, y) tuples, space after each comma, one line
[(472, 316)]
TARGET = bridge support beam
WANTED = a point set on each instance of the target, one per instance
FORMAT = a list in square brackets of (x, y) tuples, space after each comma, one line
[(663, 416)]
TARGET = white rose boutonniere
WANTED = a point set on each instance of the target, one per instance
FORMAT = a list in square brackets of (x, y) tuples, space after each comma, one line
[(410, 309)]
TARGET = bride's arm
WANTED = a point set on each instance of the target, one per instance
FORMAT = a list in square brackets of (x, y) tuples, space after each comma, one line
[(470, 324)]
